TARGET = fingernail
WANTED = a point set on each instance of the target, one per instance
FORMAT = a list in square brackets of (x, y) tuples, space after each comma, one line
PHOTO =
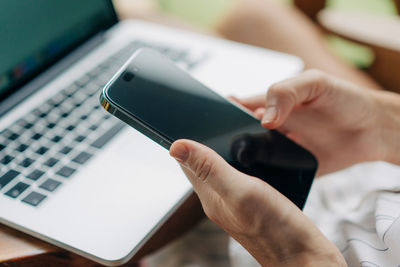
[(270, 115), (180, 153)]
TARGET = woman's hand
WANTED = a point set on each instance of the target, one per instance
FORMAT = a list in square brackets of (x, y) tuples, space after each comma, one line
[(264, 221), (337, 121)]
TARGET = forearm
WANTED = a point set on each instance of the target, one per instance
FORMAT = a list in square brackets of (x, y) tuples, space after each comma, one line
[(280, 27), (389, 119), (298, 244), (323, 255)]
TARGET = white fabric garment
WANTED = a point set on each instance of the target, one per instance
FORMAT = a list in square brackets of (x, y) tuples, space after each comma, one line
[(358, 209)]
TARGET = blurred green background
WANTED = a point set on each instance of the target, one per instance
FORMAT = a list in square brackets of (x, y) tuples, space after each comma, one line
[(206, 13)]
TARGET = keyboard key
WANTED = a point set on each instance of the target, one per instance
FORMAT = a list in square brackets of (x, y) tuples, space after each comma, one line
[(70, 91), (56, 104), (40, 114), (36, 112), (92, 94), (6, 159), (95, 72), (84, 117), (65, 150), (70, 128), (22, 122), (34, 198), (92, 88), (2, 147), (50, 185), (65, 114), (56, 139), (36, 136), (11, 135), (101, 80), (22, 147), (66, 171), (83, 80), (51, 125), (8, 177), (93, 127), (82, 157), (28, 125), (35, 175), (26, 162), (51, 162), (17, 190), (107, 136), (80, 138), (42, 150)]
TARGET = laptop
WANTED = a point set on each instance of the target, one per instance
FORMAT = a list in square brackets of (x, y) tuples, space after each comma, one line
[(72, 175)]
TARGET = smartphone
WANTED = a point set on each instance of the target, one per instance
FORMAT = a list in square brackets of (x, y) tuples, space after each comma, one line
[(165, 103)]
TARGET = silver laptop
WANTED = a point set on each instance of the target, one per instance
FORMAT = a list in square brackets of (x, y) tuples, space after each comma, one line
[(72, 175)]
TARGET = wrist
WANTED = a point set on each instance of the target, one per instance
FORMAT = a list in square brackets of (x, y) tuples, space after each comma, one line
[(333, 258), (330, 257), (306, 248), (388, 108)]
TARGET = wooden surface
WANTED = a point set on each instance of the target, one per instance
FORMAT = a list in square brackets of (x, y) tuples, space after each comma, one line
[(397, 3), (18, 249), (310, 7), (14, 244), (380, 33)]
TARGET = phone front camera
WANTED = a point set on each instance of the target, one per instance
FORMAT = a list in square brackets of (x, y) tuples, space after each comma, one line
[(128, 76)]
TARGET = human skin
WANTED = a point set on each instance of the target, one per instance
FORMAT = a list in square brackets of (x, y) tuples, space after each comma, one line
[(277, 26), (264, 221), (341, 123)]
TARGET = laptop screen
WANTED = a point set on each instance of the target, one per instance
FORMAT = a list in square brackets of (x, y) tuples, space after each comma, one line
[(37, 33)]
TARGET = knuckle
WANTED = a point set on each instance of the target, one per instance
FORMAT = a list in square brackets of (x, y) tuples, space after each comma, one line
[(283, 93), (317, 76), (274, 89), (203, 168), (320, 82)]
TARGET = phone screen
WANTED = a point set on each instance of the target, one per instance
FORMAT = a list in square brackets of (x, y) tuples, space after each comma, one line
[(166, 99)]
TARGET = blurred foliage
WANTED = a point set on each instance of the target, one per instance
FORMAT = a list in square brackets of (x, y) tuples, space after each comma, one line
[(206, 13), (200, 12), (359, 55), (384, 7)]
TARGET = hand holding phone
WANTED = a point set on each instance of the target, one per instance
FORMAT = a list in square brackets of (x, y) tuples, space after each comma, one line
[(165, 103)]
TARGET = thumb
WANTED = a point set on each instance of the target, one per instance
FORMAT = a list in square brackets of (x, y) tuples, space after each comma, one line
[(302, 90), (206, 170)]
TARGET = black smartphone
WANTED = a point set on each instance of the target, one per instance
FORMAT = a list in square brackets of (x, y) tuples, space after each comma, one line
[(162, 101)]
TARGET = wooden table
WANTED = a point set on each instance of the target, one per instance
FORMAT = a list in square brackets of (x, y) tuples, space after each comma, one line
[(19, 249)]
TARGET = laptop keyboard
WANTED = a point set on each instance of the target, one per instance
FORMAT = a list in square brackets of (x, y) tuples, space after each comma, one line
[(46, 146)]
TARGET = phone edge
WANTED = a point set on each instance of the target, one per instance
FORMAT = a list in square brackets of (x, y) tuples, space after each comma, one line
[(134, 122)]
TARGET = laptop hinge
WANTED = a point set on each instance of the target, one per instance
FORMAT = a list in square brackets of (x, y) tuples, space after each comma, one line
[(50, 74)]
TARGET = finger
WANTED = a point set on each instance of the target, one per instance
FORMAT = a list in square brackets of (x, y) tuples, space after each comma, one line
[(283, 97), (251, 103), (259, 113), (207, 171)]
